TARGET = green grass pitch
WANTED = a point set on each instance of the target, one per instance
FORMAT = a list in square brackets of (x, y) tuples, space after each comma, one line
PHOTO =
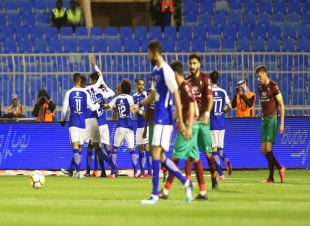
[(241, 200)]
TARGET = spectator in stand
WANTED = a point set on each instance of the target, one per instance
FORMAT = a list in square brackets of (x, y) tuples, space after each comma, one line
[(155, 11), (44, 108), (59, 15), (178, 13), (74, 16), (16, 109), (167, 10)]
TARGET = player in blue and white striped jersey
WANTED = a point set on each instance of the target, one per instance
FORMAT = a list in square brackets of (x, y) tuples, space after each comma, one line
[(124, 130), (163, 86), (217, 119), (140, 141), (78, 100)]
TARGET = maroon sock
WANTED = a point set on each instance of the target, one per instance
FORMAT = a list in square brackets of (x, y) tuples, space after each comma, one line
[(270, 158), (199, 175), (188, 168), (211, 163), (275, 162), (171, 177)]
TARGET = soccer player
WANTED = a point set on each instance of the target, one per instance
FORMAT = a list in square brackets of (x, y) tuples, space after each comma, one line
[(270, 99), (78, 100), (186, 147), (163, 86), (142, 142), (217, 120), (125, 126), (204, 98)]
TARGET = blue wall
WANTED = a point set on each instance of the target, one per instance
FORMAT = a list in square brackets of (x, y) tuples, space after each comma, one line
[(46, 145)]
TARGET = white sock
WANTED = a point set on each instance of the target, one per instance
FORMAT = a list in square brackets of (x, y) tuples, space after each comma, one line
[(203, 193), (165, 191)]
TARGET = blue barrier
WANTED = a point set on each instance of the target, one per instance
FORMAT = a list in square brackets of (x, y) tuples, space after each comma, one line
[(46, 145)]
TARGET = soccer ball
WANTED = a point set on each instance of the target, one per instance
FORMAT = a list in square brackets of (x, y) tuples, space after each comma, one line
[(37, 179)]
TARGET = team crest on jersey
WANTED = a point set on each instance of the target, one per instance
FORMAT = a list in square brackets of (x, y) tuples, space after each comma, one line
[(216, 94), (200, 82), (264, 94), (268, 89), (77, 94), (196, 91), (121, 101)]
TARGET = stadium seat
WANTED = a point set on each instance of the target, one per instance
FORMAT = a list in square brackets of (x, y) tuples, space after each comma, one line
[(219, 19), (263, 19), (213, 45), (140, 32), (9, 46), (185, 32), (22, 33), (198, 46), (85, 46), (303, 32), (40, 46), (294, 7), (243, 45), (100, 45), (259, 32), (221, 6), (305, 19), (3, 22), (190, 19), (29, 20), (111, 33), (288, 45), (168, 46), (170, 32), (258, 45), (131, 46), (43, 20), (96, 33), (287, 61), (206, 7), (271, 61), (70, 46), (298, 97), (55, 46), (66, 32), (183, 46), (245, 32), (81, 33), (249, 19), (228, 45), (306, 7), (25, 6), (279, 7), (236, 6), (214, 32), (14, 20), (155, 33), (265, 7), (250, 7), (40, 7), (7, 33), (234, 19), (205, 19), (273, 45), (51, 33), (25, 46), (125, 33), (11, 7), (143, 44), (115, 46), (303, 45), (274, 32), (229, 32), (199, 32), (293, 19), (190, 8), (289, 32), (278, 19)]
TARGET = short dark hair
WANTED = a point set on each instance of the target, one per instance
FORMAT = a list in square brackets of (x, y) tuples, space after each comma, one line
[(154, 46), (76, 77), (260, 68), (177, 66), (139, 79), (83, 80), (94, 76), (194, 56), (214, 76), (126, 86)]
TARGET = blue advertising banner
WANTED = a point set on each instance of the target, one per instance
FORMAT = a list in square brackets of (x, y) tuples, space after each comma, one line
[(47, 146)]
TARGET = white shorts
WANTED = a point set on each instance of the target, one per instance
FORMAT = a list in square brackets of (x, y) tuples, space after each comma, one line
[(124, 133), (76, 134), (162, 135), (139, 139), (92, 131), (104, 134), (217, 138)]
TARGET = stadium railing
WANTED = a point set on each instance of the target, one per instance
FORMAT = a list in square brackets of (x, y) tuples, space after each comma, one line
[(25, 74)]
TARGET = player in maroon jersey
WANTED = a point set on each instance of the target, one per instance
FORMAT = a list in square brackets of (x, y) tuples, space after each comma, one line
[(203, 93), (270, 99)]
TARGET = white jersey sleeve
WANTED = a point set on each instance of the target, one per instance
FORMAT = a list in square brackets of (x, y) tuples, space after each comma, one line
[(65, 105), (227, 100), (130, 100), (170, 78), (112, 104), (92, 107), (100, 74), (106, 93)]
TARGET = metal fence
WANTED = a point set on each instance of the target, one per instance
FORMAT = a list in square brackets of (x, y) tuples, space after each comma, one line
[(25, 74)]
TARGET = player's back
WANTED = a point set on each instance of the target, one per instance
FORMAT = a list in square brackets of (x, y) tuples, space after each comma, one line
[(100, 113), (122, 104), (78, 105), (91, 90), (217, 116), (137, 98)]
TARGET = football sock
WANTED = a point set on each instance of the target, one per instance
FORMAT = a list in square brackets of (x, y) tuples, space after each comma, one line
[(188, 168), (222, 155), (76, 157), (199, 175), (89, 157), (163, 168), (141, 162), (113, 158), (270, 158), (109, 153), (211, 163), (81, 157), (96, 161), (149, 162), (173, 169), (72, 164), (103, 155), (100, 158), (155, 181), (217, 163), (134, 161), (275, 162), (170, 179)]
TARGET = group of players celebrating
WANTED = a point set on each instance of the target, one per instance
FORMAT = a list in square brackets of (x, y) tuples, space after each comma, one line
[(200, 107)]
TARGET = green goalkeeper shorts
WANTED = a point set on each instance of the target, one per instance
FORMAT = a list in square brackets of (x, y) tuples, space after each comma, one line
[(268, 131), (204, 137)]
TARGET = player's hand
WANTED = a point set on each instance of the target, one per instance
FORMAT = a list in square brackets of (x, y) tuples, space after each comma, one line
[(144, 134), (92, 59), (281, 128), (188, 134), (181, 128), (134, 108), (205, 120), (62, 123)]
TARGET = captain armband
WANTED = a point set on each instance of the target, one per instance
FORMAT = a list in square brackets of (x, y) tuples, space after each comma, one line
[(279, 96)]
